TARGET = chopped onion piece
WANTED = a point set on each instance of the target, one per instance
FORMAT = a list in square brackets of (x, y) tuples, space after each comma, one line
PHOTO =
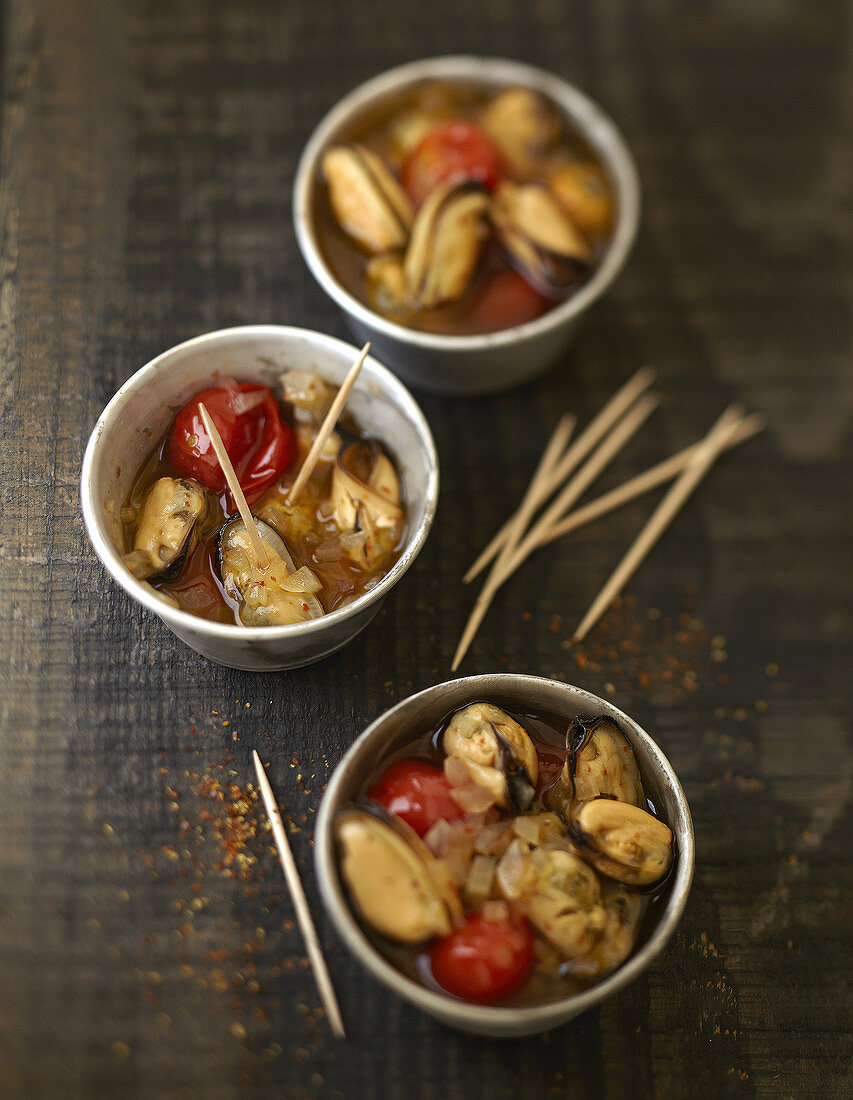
[(303, 580), (245, 402), (473, 799), (512, 869), (481, 872), (528, 828), (495, 910)]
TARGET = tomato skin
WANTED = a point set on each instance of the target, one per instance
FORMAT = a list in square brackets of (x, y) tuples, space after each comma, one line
[(417, 792), (483, 960), (451, 152), (274, 451), (506, 300), (260, 445)]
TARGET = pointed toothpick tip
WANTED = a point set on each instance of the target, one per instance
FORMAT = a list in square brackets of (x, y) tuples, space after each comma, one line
[(327, 427)]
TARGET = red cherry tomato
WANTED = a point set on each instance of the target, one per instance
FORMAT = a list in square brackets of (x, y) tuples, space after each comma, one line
[(484, 959), (450, 153), (418, 792), (260, 445), (507, 299)]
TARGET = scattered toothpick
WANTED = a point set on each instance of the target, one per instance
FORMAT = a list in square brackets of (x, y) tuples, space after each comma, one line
[(300, 903), (700, 462), (586, 441), (327, 427), (245, 511), (642, 483), (512, 555)]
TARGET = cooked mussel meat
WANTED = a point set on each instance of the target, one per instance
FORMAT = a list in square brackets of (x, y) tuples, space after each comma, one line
[(539, 236), (168, 528), (274, 594), (494, 752), (583, 191), (397, 885), (366, 500), (447, 238), (387, 290), (600, 763), (368, 202), (524, 126), (622, 908), (624, 842), (563, 900)]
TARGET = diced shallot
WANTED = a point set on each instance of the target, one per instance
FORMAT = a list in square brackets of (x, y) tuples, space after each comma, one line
[(495, 910), (478, 883), (473, 799), (512, 869)]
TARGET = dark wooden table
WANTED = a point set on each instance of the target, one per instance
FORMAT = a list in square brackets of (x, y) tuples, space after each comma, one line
[(147, 947)]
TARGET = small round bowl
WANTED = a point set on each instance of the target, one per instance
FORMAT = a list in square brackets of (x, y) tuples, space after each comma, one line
[(140, 413), (405, 722), (497, 360)]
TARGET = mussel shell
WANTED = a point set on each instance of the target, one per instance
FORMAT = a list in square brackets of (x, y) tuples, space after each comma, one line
[(540, 238), (447, 239)]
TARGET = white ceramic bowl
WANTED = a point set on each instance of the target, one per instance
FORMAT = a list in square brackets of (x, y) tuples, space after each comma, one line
[(141, 411), (403, 724), (498, 360)]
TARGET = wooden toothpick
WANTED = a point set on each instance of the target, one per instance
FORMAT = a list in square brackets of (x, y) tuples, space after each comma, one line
[(234, 485), (327, 427), (300, 903), (700, 462), (585, 442)]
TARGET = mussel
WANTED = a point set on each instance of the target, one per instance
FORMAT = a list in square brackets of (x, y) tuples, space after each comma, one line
[(600, 763), (398, 887), (447, 238), (366, 499), (583, 191), (564, 901), (497, 753), (272, 595), (368, 202), (167, 531), (386, 286), (524, 126), (624, 842), (540, 237)]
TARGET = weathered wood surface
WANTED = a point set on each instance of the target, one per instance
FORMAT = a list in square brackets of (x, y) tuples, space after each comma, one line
[(147, 156)]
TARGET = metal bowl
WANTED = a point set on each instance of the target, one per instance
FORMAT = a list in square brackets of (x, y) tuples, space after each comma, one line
[(403, 724), (498, 360), (144, 406)]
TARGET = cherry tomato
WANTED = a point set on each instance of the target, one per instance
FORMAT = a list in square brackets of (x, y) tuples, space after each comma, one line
[(450, 153), (418, 792), (259, 444), (507, 299), (484, 959)]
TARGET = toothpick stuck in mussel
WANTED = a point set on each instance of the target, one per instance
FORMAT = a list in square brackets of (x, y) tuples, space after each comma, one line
[(327, 427)]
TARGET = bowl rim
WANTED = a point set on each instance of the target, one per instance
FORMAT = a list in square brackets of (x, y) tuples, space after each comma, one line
[(592, 121), (108, 555), (497, 1018)]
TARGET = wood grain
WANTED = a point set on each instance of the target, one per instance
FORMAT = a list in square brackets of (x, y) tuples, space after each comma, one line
[(146, 158)]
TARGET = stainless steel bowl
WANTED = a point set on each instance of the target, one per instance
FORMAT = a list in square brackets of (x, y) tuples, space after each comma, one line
[(403, 724), (141, 411), (498, 360)]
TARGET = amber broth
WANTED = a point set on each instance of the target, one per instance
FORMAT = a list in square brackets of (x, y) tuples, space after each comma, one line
[(199, 589), (373, 130), (548, 733)]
